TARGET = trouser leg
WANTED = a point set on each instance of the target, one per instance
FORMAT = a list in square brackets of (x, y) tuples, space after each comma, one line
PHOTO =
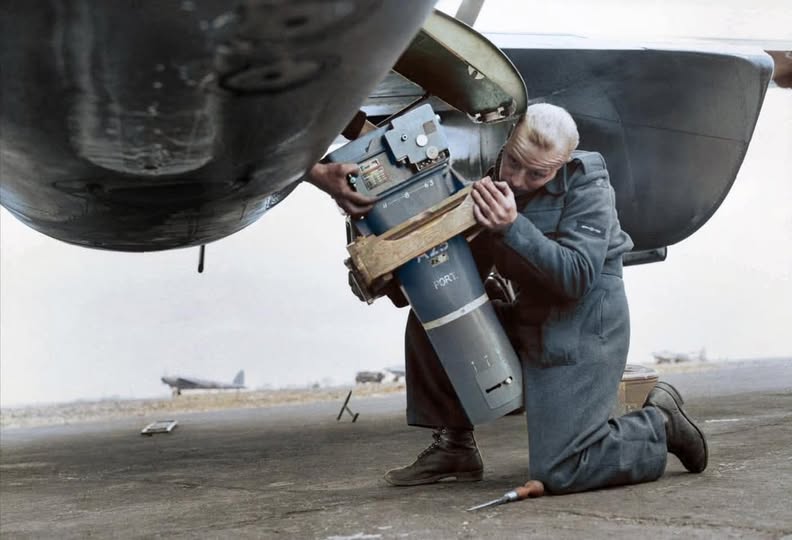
[(573, 445), (431, 399), (432, 402)]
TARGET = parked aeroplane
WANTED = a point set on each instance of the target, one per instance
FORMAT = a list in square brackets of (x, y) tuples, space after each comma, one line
[(672, 357), (145, 126), (178, 384), (384, 375)]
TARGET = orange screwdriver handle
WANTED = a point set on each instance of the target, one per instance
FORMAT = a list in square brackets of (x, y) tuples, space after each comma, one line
[(531, 490)]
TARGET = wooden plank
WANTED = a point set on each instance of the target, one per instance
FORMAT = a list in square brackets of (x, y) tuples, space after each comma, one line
[(375, 256)]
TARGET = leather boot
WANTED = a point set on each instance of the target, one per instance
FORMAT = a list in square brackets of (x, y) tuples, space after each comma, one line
[(452, 455), (683, 438)]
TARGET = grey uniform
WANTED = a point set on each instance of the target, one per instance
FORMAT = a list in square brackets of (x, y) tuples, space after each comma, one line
[(570, 325)]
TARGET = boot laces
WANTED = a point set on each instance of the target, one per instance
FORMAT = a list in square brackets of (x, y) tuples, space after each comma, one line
[(436, 444)]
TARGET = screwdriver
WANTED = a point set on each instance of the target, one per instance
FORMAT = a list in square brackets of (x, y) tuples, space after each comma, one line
[(531, 489)]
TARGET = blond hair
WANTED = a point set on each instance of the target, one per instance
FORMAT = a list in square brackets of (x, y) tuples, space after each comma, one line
[(547, 127)]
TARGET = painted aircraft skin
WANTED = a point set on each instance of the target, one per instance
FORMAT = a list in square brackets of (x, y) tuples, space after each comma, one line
[(673, 124), (178, 383), (143, 126), (190, 120)]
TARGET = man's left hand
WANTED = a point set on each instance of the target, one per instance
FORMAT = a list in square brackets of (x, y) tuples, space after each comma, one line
[(495, 208)]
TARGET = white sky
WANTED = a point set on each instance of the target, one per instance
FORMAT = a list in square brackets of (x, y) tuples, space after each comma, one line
[(84, 324), (732, 19)]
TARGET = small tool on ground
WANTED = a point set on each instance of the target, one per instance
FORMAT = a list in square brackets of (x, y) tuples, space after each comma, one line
[(531, 490)]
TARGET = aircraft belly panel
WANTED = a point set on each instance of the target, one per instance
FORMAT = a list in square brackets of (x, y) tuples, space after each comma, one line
[(145, 126)]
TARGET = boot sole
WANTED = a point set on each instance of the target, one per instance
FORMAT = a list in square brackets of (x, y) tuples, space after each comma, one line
[(472, 476), (674, 394)]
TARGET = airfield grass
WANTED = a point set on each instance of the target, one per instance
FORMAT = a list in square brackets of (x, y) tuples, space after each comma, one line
[(188, 402)]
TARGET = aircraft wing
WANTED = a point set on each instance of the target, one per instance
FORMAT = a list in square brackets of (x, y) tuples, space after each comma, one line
[(186, 383), (190, 383), (673, 123)]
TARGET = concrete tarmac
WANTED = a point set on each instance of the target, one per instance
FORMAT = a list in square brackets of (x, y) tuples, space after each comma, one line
[(296, 472)]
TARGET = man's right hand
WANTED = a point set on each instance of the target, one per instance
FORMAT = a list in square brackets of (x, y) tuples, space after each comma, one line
[(332, 179), (496, 208)]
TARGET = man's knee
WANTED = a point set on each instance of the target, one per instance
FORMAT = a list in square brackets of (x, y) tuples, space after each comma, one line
[(558, 478)]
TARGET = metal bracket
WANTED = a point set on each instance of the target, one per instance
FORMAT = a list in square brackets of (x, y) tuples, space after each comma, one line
[(346, 408)]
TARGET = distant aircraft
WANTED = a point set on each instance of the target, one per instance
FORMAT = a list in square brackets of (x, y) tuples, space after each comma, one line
[(670, 357), (178, 384), (384, 375)]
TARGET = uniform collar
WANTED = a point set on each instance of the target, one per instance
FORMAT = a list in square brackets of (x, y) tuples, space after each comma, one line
[(558, 184)]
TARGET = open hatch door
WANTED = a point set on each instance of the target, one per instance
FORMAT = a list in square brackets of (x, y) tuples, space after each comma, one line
[(450, 60)]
